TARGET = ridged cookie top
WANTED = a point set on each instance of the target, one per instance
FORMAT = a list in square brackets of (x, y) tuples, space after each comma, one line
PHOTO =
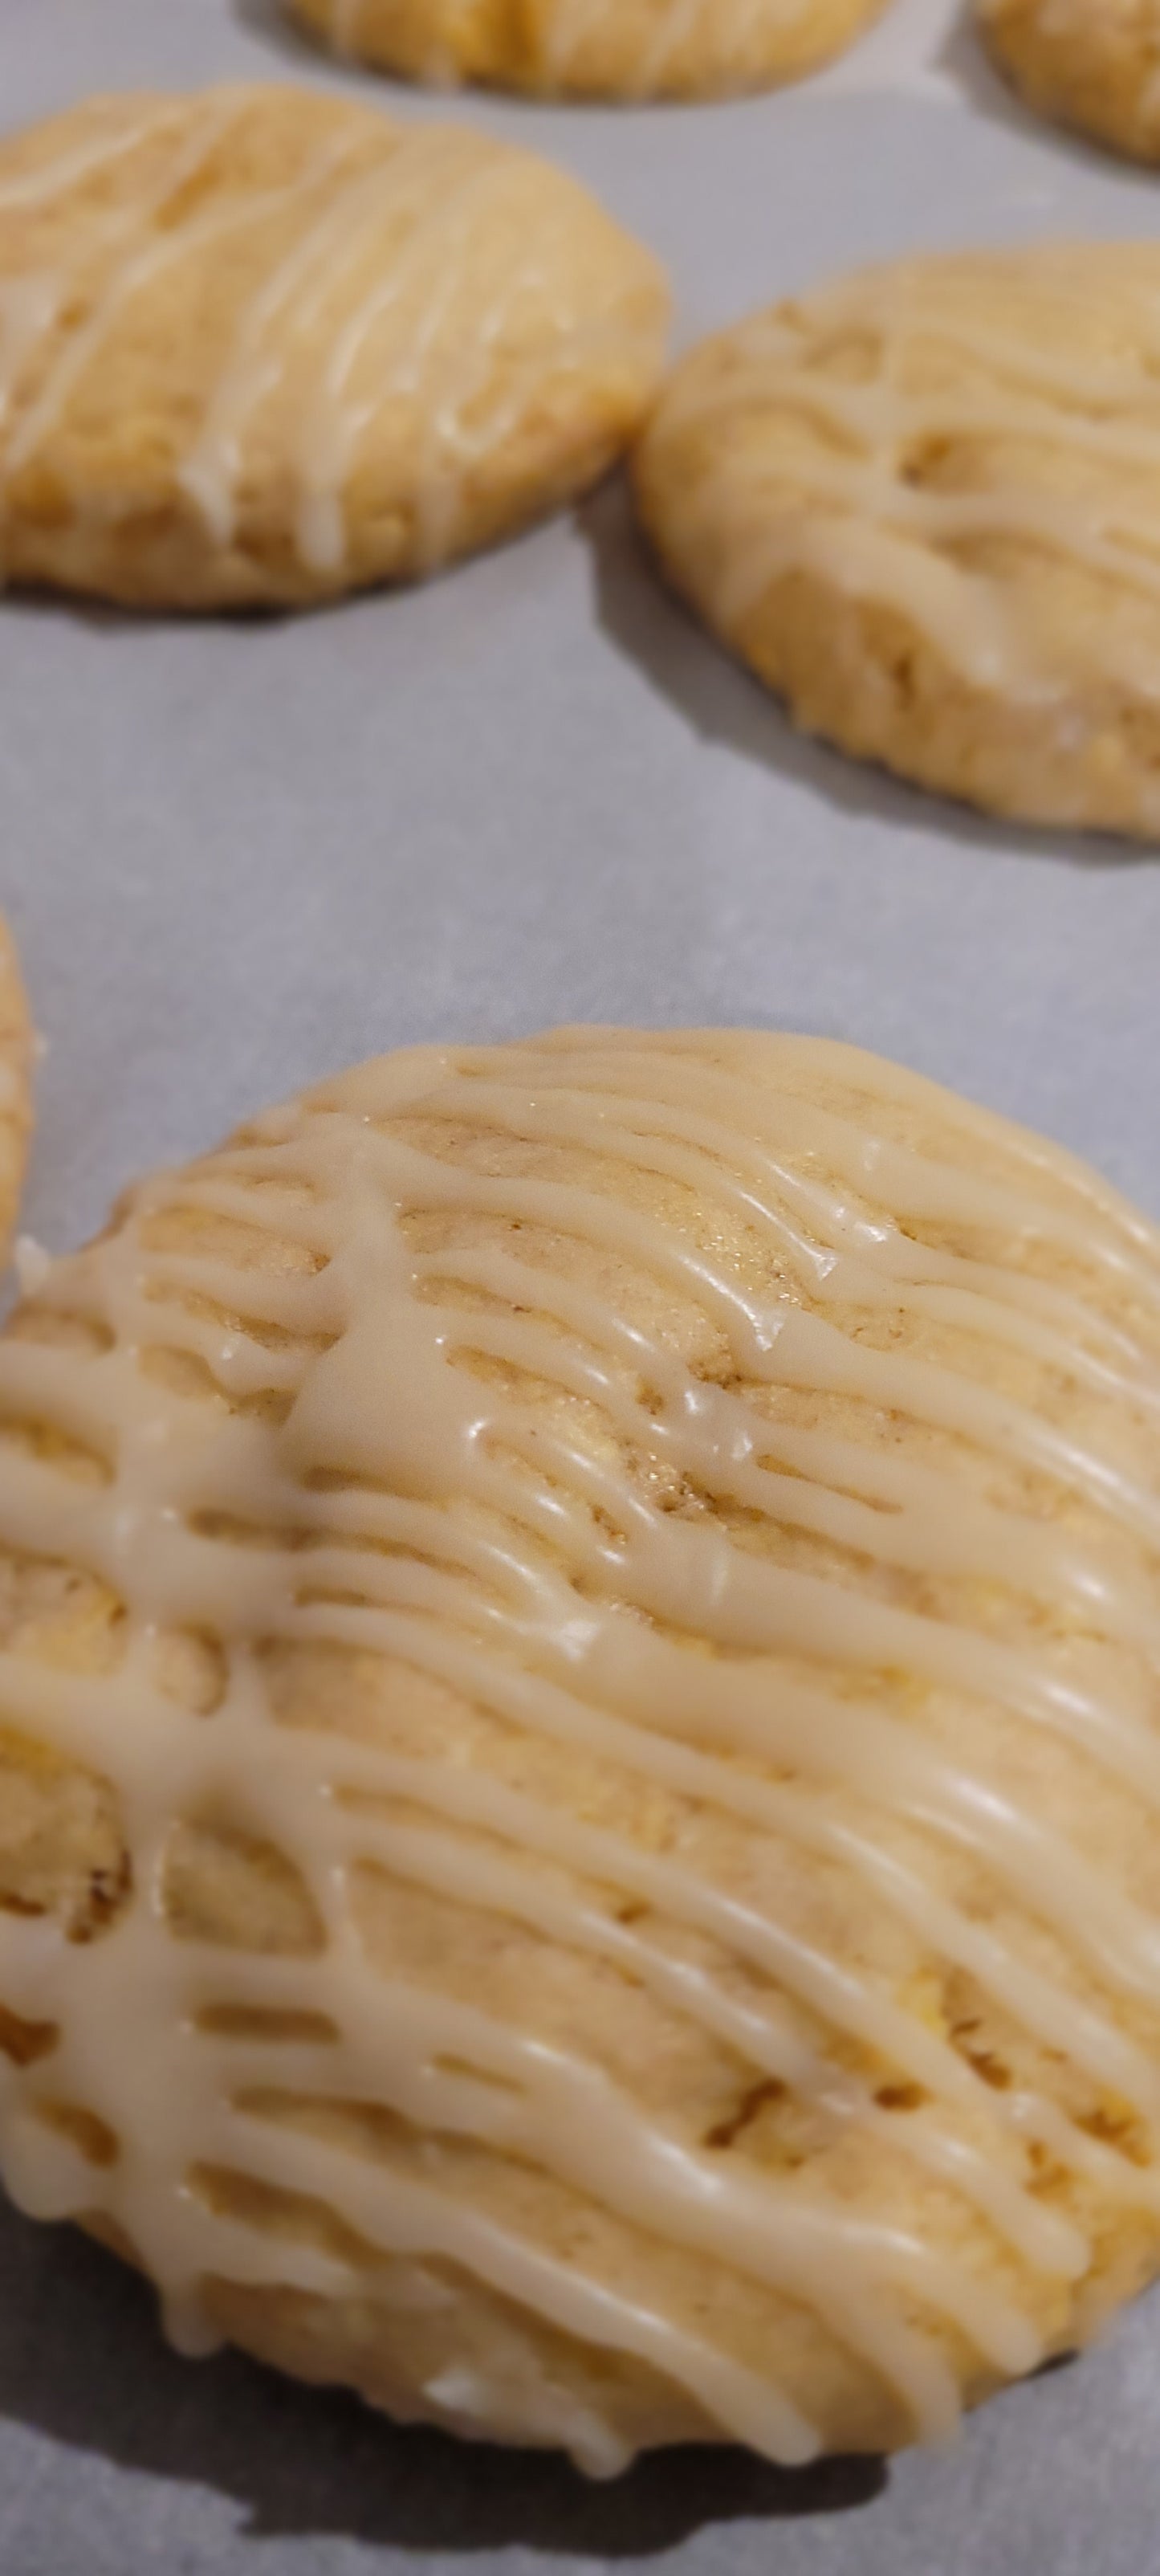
[(971, 442), (274, 343), (596, 48), (694, 1500)]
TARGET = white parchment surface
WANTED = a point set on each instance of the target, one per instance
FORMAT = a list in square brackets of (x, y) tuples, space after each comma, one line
[(237, 856)]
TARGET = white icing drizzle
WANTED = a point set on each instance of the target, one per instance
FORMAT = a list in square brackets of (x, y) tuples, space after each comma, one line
[(684, 21), (424, 278), (31, 1263), (438, 68), (424, 333), (724, 29), (850, 508), (37, 187), (31, 303), (416, 1507), (211, 473)]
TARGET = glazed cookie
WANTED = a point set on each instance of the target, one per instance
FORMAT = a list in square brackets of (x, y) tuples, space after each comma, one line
[(1092, 64), (613, 49), (580, 1835), (262, 346), (16, 1045), (925, 505)]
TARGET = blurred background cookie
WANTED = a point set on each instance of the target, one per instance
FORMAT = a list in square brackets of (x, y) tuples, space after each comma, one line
[(580, 1818), (595, 48), (264, 346), (1091, 64), (924, 503)]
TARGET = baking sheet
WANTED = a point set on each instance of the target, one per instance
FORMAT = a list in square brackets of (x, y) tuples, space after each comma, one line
[(237, 856)]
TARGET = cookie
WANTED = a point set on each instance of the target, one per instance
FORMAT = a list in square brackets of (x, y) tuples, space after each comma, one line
[(263, 346), (924, 504), (610, 49), (16, 1050), (1091, 64), (580, 1835)]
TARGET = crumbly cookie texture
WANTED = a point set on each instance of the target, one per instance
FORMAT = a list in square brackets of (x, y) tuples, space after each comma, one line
[(262, 346), (16, 1054), (924, 504), (580, 1780), (612, 49), (1091, 64)]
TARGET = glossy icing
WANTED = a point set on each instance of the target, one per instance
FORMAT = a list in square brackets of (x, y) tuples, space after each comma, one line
[(408, 1497)]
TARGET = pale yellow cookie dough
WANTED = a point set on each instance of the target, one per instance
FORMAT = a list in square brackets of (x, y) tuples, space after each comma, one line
[(1091, 64), (924, 503), (263, 346), (16, 1047), (580, 1818), (608, 49)]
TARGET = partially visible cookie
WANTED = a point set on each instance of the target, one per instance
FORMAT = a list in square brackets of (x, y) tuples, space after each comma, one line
[(1092, 64), (261, 345), (15, 1085), (924, 504), (618, 49)]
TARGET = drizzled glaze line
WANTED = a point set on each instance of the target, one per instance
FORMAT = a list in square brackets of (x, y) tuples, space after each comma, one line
[(429, 194), (30, 305), (722, 31), (850, 507), (687, 21), (509, 1562), (38, 187)]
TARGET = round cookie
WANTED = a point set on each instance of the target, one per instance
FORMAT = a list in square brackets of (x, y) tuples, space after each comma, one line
[(1091, 64), (609, 49), (580, 1819), (16, 1051), (261, 345), (924, 504)]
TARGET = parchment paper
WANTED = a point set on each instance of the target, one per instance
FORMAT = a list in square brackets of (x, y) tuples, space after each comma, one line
[(237, 856)]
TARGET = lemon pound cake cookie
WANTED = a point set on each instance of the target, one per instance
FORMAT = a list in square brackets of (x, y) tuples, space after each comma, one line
[(580, 1778), (924, 504), (16, 1045), (260, 345), (611, 49), (1092, 64)]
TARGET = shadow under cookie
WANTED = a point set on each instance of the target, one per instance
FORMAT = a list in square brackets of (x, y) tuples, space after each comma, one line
[(723, 702), (301, 2461)]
